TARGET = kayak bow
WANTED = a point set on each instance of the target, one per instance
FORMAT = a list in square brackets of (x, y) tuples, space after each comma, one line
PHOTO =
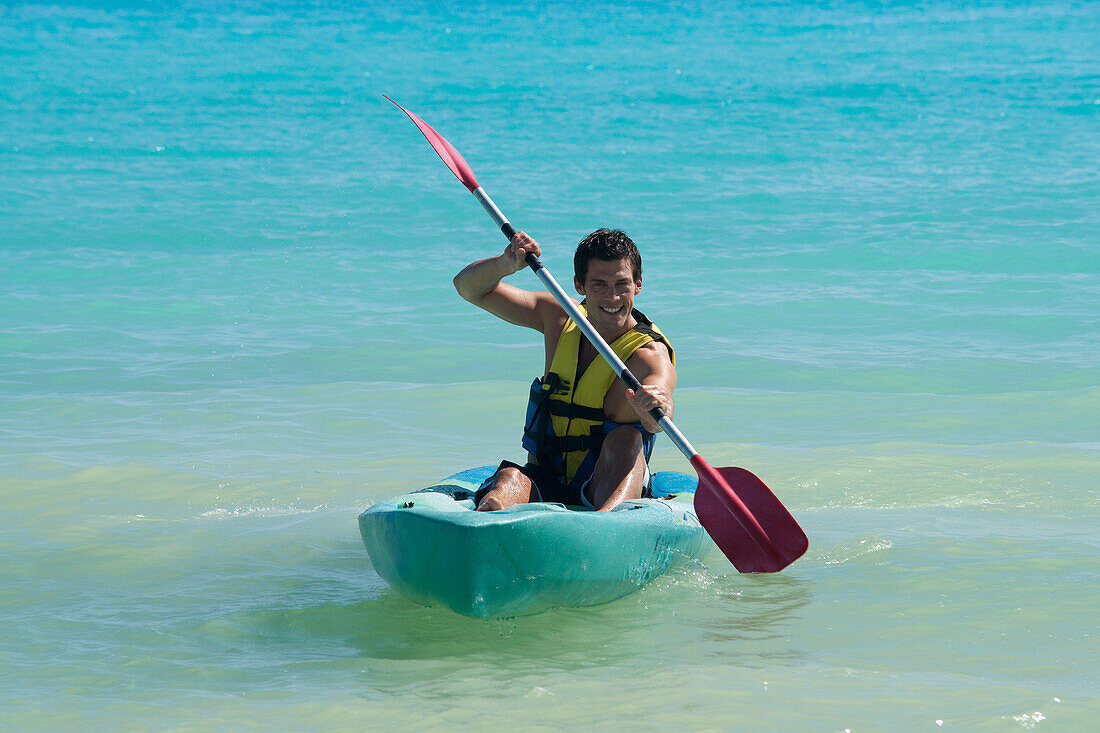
[(434, 548)]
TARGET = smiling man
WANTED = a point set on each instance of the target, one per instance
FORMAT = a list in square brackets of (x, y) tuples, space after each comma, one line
[(587, 435)]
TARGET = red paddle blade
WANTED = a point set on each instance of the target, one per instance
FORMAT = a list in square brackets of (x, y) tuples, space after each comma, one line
[(446, 151), (745, 520)]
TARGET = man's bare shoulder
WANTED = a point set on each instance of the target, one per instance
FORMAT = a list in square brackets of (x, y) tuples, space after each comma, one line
[(653, 356), (549, 313)]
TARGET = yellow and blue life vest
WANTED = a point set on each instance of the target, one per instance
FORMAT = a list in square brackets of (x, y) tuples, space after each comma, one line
[(566, 423)]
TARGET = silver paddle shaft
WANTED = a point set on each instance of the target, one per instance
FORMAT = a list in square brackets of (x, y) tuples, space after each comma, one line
[(586, 328)]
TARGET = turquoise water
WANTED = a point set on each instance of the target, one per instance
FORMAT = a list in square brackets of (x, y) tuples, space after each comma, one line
[(227, 326)]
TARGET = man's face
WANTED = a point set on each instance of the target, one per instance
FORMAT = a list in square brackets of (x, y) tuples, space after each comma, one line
[(610, 288)]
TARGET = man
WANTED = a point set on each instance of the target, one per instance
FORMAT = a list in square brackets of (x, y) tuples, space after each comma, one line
[(588, 436)]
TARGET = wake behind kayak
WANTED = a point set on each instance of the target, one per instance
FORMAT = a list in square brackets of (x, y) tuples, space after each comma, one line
[(434, 548)]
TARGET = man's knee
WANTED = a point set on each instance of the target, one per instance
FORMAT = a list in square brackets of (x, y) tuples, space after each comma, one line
[(490, 503), (620, 469), (511, 479), (508, 488), (622, 442), (622, 450)]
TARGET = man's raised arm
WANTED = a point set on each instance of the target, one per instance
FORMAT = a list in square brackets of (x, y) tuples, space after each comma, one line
[(480, 283)]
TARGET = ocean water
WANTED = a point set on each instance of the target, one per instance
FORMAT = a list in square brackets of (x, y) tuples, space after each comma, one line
[(227, 327)]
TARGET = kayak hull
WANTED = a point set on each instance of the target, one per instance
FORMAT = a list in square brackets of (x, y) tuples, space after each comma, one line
[(435, 549)]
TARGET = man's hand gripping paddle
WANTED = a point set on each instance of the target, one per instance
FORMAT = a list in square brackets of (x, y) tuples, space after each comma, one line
[(741, 514)]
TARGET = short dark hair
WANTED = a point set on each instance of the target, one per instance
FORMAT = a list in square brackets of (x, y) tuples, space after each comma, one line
[(608, 245)]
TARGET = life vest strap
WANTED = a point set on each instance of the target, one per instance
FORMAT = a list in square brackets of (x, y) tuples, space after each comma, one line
[(572, 410), (548, 445)]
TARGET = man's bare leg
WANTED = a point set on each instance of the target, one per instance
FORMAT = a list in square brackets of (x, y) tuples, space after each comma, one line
[(620, 470), (510, 486)]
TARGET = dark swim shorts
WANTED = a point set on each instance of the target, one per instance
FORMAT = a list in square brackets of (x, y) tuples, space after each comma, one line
[(551, 487)]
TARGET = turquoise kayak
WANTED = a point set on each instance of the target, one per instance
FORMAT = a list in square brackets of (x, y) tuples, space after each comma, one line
[(435, 549)]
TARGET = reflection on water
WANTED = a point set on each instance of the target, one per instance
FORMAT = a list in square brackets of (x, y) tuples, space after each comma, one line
[(391, 640), (763, 609)]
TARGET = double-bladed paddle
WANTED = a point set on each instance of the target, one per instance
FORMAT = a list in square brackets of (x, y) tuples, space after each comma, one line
[(741, 514)]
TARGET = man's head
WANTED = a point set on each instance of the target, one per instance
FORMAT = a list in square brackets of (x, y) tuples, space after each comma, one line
[(608, 245), (608, 273)]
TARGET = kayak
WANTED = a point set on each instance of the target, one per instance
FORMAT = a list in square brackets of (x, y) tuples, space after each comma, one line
[(435, 549)]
